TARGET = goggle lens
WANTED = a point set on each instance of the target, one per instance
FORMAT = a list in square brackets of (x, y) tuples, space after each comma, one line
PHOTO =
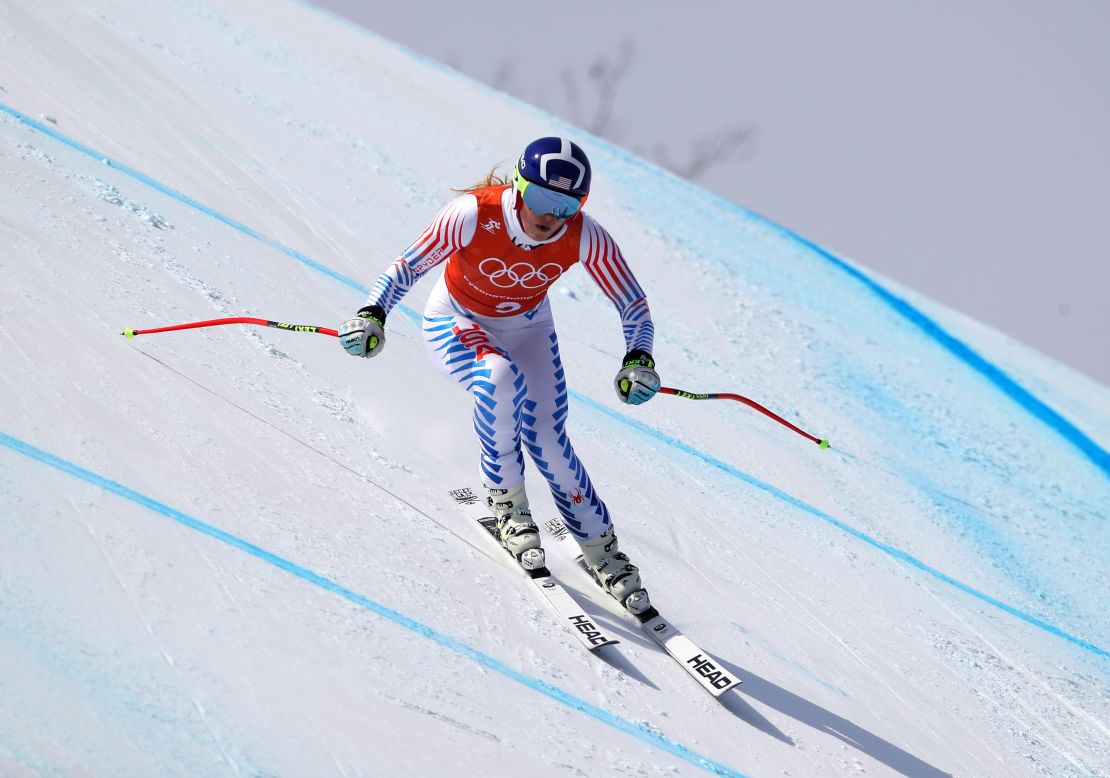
[(547, 201)]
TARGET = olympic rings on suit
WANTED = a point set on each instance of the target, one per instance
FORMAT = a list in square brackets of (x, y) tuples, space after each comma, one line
[(519, 274)]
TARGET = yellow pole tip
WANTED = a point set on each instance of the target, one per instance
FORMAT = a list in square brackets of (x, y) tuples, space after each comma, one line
[(824, 443), (128, 333)]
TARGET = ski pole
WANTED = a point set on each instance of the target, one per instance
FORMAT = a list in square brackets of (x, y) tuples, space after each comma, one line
[(130, 333), (821, 442)]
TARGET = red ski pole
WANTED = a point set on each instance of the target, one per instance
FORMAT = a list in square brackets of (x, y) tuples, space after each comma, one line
[(130, 333), (821, 442)]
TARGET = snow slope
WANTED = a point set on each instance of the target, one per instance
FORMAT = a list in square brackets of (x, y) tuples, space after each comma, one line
[(230, 551)]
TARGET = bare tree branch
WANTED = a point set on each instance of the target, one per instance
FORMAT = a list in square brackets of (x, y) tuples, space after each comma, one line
[(607, 77), (715, 148), (504, 75), (604, 77), (573, 95)]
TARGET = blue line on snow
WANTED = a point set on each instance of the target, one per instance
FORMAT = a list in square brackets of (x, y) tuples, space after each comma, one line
[(166, 190), (886, 548), (1100, 457), (1008, 386), (637, 730)]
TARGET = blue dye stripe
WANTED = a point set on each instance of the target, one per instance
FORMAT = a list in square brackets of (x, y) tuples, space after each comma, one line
[(639, 730), (887, 549), (1090, 448), (1008, 386), (206, 210), (930, 328)]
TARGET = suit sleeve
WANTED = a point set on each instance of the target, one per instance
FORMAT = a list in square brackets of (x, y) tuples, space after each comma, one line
[(452, 229), (602, 259)]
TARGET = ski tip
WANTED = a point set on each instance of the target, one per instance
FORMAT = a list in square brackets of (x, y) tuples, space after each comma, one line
[(128, 333), (823, 443)]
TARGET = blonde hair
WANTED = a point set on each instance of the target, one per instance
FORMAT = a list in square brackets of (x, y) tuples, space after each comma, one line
[(491, 179)]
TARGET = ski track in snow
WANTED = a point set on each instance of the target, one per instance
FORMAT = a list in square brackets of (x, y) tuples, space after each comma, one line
[(178, 270), (215, 298), (637, 729), (1048, 715), (187, 280)]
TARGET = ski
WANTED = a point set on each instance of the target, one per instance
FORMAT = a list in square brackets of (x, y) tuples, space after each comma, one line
[(702, 667), (570, 612)]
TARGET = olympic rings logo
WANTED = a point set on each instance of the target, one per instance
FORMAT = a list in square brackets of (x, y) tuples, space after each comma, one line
[(520, 274)]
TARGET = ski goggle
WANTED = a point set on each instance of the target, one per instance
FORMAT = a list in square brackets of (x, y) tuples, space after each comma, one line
[(547, 201)]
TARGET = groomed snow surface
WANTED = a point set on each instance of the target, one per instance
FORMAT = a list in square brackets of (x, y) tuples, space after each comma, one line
[(230, 551)]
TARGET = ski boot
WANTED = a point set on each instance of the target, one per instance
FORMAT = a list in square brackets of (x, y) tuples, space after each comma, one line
[(614, 573), (515, 529)]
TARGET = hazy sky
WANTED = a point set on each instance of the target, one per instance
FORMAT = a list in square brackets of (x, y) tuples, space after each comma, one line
[(962, 148)]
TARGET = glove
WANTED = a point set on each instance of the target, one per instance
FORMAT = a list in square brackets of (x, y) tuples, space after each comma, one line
[(637, 382), (364, 335)]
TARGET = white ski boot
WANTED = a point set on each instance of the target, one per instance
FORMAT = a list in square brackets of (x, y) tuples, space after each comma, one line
[(614, 572), (515, 528)]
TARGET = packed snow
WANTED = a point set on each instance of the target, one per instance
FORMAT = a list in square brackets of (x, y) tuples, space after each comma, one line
[(231, 550)]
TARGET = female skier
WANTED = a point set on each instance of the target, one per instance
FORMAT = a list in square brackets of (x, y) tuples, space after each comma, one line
[(488, 325)]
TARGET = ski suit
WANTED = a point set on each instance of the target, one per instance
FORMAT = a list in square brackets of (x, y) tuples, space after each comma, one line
[(488, 325)]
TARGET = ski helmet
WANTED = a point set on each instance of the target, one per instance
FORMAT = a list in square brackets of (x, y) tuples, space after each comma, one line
[(558, 164)]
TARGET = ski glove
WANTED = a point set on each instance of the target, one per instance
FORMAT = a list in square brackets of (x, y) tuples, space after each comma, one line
[(364, 335), (637, 382)]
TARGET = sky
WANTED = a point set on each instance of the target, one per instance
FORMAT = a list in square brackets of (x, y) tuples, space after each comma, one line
[(231, 550), (957, 148)]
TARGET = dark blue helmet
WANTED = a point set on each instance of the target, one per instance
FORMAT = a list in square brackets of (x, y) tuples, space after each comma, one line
[(558, 164)]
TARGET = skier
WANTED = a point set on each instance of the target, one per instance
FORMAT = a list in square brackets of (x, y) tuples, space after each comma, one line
[(488, 325)]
